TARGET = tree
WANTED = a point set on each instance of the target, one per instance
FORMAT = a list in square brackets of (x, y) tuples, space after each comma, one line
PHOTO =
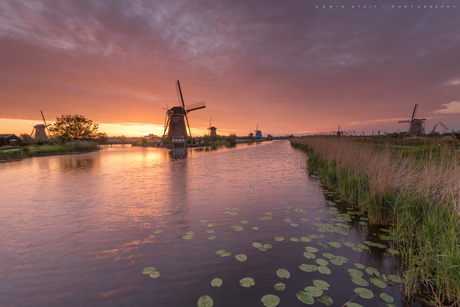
[(74, 127)]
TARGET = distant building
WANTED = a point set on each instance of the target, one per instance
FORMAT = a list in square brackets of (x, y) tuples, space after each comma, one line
[(10, 140), (258, 134)]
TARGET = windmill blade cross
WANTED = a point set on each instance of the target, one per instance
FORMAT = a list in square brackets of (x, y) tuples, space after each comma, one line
[(188, 125), (179, 94), (210, 123), (403, 121), (415, 111), (43, 117)]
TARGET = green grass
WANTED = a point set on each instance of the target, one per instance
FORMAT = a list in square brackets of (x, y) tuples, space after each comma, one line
[(48, 150), (426, 225)]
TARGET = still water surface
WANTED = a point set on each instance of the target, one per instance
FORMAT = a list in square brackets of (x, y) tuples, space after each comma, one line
[(78, 230)]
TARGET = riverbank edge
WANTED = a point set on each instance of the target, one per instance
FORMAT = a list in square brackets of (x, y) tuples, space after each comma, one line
[(427, 235), (46, 150)]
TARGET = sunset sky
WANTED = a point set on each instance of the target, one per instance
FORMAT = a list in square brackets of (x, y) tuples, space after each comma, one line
[(286, 65)]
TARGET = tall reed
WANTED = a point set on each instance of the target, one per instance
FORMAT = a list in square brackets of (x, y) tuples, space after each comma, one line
[(416, 192)]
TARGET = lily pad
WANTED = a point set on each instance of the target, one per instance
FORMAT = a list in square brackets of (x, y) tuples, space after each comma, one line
[(342, 259), (244, 222), (305, 239), (211, 237), (241, 257), (364, 293), (387, 298), (282, 273), (157, 231), (205, 301), (355, 272), (270, 300), (311, 249), (313, 291), (155, 274), (148, 270), (353, 305), (279, 239), (247, 282), (308, 267), (328, 255), (336, 261), (294, 224), (210, 230), (255, 228), (360, 266), (280, 286), (394, 278), (335, 244), (203, 221), (309, 255), (220, 252), (295, 239), (304, 219), (216, 282), (257, 244), (225, 254), (321, 284), (322, 262), (324, 270), (378, 283), (372, 271), (359, 281), (211, 225), (305, 298), (326, 300)]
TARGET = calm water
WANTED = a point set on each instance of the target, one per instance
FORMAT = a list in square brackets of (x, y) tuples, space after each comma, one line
[(78, 230)]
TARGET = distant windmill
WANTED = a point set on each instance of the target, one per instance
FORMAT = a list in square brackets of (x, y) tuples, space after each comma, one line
[(39, 131), (415, 125), (338, 132), (258, 132), (212, 129), (176, 120)]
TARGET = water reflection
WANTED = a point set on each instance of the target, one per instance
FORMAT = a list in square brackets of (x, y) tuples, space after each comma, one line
[(87, 235), (178, 153), (83, 162)]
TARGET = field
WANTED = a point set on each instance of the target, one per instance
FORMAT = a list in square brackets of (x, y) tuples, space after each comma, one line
[(412, 185)]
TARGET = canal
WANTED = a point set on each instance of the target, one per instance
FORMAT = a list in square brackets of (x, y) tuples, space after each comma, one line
[(132, 226)]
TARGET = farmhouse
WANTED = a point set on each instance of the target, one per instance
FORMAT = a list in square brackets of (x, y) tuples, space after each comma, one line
[(10, 140)]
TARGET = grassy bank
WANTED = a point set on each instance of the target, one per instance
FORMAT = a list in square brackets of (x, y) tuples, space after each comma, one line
[(417, 192), (17, 153)]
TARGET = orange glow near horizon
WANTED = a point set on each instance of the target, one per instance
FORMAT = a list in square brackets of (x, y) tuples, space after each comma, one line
[(22, 126)]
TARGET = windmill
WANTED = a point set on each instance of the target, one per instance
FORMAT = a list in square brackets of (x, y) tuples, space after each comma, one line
[(212, 129), (176, 120), (258, 132), (416, 125), (39, 131), (338, 132)]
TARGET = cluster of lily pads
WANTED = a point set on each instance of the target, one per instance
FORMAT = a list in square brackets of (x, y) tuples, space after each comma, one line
[(314, 292)]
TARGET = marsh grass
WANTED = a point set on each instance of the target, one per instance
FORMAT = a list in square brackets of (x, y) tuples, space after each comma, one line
[(415, 190), (47, 150)]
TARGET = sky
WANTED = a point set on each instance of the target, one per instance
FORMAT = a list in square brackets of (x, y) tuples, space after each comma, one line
[(290, 67)]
